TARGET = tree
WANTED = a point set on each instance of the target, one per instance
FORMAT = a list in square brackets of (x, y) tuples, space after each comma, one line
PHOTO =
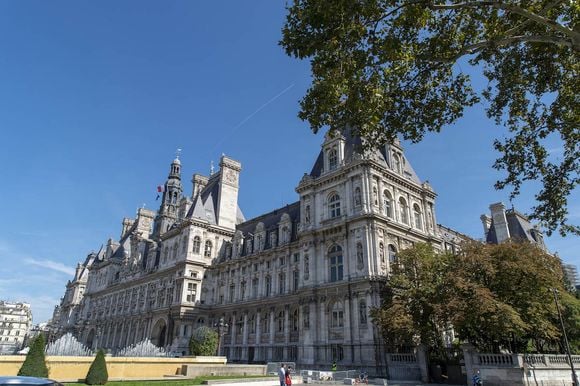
[(389, 68), (494, 296), (98, 374), (35, 364), (203, 341)]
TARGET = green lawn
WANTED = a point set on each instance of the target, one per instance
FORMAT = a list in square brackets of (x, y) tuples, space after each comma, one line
[(194, 381)]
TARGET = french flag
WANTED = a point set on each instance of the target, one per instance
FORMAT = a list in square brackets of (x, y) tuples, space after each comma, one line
[(160, 189)]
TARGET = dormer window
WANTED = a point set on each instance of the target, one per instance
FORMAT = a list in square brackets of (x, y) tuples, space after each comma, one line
[(332, 159)]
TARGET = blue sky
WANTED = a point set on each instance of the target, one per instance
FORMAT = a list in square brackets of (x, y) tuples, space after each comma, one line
[(95, 97)]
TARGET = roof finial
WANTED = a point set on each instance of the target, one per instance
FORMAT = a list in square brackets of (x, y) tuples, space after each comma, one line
[(211, 168), (177, 153)]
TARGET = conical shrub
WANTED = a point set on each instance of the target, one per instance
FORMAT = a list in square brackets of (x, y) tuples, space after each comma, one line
[(98, 374), (35, 364)]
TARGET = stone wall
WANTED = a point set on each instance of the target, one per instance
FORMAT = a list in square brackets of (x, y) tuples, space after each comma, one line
[(70, 369)]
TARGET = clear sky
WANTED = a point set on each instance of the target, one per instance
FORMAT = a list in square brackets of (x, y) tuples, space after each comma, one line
[(95, 97)]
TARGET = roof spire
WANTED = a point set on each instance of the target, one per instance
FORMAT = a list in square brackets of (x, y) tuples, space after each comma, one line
[(211, 168)]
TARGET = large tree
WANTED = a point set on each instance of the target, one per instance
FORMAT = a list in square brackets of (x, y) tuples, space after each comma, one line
[(495, 296), (389, 67)]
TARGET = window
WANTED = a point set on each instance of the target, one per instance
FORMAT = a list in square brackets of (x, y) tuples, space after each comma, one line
[(334, 205), (282, 283), (362, 312), (337, 318), (357, 197), (191, 292), (232, 292), (335, 260), (268, 285), (392, 253), (332, 159), (207, 251), (381, 252), (282, 261), (266, 323), (252, 324), (255, 288), (359, 256), (404, 211), (242, 290), (196, 244), (417, 216), (296, 257), (295, 280), (294, 321), (306, 316), (387, 204), (281, 321), (337, 352)]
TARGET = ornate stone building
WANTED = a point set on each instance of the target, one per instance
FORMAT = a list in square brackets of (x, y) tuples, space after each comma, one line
[(293, 284)]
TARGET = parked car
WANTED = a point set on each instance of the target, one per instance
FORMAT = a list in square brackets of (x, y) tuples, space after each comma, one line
[(28, 381)]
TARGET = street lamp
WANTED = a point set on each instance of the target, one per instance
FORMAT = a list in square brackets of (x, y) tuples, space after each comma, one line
[(574, 377), (221, 327)]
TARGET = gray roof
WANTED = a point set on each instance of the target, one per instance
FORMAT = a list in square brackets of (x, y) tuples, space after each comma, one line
[(519, 227)]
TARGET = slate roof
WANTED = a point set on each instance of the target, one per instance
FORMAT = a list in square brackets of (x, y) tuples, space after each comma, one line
[(519, 227)]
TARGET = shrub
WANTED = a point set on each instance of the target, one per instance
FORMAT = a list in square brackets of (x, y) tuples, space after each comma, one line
[(98, 374), (203, 341), (35, 364)]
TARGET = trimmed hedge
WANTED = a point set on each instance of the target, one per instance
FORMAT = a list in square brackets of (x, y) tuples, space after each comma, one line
[(203, 342), (98, 374), (35, 364)]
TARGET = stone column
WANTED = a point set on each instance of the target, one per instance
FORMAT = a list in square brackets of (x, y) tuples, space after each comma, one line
[(423, 362), (286, 330), (469, 358), (245, 337)]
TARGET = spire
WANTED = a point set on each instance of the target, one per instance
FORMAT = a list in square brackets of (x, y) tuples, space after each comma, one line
[(172, 194)]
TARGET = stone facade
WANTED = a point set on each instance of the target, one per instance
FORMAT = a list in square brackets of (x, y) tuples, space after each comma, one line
[(15, 322), (295, 284)]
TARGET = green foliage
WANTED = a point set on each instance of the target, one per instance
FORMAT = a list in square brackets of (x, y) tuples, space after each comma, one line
[(389, 68), (203, 341), (98, 374), (35, 364), (495, 296)]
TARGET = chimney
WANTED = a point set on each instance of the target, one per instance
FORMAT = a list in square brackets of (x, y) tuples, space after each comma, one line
[(500, 224), (486, 222), (127, 224), (199, 182)]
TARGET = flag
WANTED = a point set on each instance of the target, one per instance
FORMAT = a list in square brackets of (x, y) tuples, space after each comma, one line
[(160, 189)]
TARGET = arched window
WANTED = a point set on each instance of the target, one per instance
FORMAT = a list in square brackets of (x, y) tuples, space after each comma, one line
[(332, 159), (357, 197), (417, 216), (335, 263), (362, 312), (382, 252), (359, 256), (196, 244), (392, 253), (404, 210), (387, 204), (207, 251), (281, 321), (334, 205), (397, 163)]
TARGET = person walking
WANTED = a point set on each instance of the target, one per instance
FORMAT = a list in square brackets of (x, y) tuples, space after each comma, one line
[(288, 379), (282, 375), (334, 367)]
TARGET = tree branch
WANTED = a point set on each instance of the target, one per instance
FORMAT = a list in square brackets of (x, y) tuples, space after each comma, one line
[(575, 36), (543, 13)]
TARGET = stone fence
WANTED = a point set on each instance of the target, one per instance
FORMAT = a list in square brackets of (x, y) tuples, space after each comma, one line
[(519, 369)]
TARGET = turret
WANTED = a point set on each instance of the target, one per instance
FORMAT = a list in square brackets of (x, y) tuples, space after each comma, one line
[(172, 192), (227, 208)]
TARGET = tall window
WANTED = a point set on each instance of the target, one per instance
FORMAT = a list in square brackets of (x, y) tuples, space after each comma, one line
[(335, 261), (255, 288), (191, 292), (281, 321), (294, 325), (232, 292), (334, 205), (266, 323), (404, 210), (387, 204), (207, 251), (252, 324), (242, 290), (332, 159), (417, 216), (268, 286), (282, 283), (295, 280), (196, 244), (337, 318)]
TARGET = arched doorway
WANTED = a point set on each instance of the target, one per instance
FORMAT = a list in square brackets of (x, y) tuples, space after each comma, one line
[(158, 335)]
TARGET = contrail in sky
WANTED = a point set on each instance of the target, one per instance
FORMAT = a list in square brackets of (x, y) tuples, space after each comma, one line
[(246, 119)]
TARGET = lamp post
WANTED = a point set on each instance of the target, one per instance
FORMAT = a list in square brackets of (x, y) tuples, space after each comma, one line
[(567, 345), (221, 327)]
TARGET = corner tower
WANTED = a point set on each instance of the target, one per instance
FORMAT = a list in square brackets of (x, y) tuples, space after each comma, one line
[(227, 208)]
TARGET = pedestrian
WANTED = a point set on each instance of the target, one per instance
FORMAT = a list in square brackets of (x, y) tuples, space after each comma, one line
[(334, 367), (477, 379), (288, 379), (282, 375)]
